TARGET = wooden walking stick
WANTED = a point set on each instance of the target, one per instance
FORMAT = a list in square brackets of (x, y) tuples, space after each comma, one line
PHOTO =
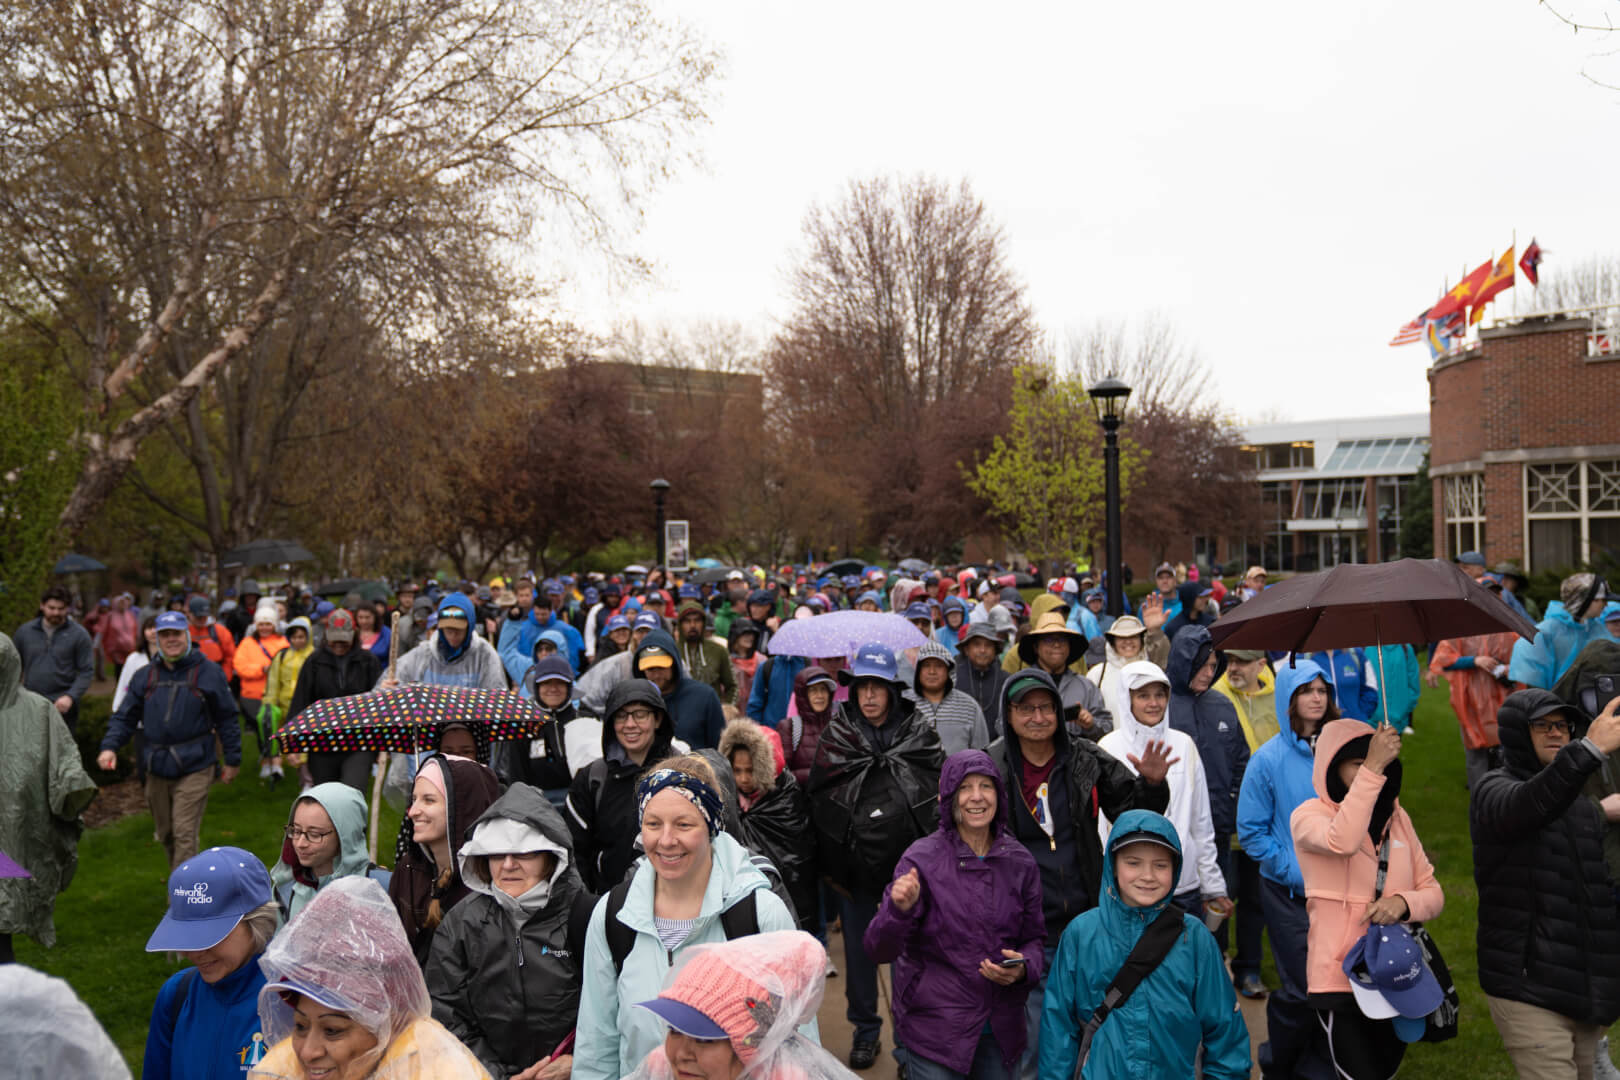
[(382, 756)]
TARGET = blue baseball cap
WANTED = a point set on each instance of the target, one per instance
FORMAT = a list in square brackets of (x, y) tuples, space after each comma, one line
[(324, 608), (872, 661), (208, 895), (649, 620), (554, 588), (618, 622), (592, 597), (684, 1018), (919, 610), (1386, 965), (171, 620)]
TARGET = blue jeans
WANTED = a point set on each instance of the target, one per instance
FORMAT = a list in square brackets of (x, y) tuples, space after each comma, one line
[(986, 1063), (859, 974)]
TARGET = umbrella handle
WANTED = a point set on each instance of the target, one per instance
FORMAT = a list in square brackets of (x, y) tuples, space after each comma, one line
[(1383, 687), (376, 796)]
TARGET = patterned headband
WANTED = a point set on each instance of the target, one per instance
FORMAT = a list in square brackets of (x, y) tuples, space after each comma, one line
[(695, 791)]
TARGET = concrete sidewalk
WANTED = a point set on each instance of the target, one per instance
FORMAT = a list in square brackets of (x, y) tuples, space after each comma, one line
[(836, 1032)]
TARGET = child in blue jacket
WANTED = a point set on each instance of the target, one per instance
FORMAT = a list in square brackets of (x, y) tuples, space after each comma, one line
[(1186, 1002)]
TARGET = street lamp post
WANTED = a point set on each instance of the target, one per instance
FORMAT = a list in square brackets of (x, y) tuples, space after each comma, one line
[(660, 488), (1108, 397)]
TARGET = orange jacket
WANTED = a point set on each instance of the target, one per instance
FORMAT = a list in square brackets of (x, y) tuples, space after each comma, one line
[(252, 662), (216, 643), (1340, 864)]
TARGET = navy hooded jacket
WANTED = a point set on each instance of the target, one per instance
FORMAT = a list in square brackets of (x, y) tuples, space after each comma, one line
[(694, 707), (1212, 722)]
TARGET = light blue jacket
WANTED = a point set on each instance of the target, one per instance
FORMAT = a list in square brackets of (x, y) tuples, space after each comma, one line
[(1276, 782), (613, 1035), (1559, 640), (519, 635), (1186, 1002)]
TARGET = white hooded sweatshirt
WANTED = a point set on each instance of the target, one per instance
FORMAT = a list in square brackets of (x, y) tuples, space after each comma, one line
[(1189, 793)]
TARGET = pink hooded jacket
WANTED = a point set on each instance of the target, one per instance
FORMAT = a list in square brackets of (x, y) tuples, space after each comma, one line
[(1339, 862)]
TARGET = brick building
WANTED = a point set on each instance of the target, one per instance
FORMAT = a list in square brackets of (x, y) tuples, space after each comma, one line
[(1526, 444)]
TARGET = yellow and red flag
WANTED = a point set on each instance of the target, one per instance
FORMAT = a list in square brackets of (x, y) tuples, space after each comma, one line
[(1500, 278), (1462, 294)]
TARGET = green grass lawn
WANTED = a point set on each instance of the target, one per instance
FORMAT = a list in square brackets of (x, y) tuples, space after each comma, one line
[(103, 920), (117, 898)]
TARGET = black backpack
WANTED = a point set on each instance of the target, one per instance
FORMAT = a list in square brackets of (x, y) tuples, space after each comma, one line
[(739, 920)]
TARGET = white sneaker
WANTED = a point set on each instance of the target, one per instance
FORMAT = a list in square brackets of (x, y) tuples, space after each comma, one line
[(1603, 1067), (264, 770)]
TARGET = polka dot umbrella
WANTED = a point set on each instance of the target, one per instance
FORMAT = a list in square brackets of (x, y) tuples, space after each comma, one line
[(409, 718)]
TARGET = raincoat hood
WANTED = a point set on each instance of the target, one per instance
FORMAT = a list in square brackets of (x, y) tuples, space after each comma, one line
[(662, 641), (801, 691), (1046, 602), (957, 768), (934, 651), (1137, 674), (636, 692), (1342, 740), (740, 626), (1121, 918), (470, 788), (522, 820), (457, 600), (1187, 592), (10, 672), (1189, 651), (347, 809), (1290, 677)]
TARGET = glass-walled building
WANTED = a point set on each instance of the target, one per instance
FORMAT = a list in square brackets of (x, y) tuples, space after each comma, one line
[(1332, 491)]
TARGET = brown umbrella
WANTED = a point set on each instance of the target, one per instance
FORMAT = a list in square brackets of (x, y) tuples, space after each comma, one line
[(1409, 602), (1412, 601)]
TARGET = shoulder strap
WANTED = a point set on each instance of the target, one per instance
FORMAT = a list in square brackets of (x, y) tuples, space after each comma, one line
[(764, 674), (620, 938), (579, 922), (1151, 948), (742, 918), (181, 992)]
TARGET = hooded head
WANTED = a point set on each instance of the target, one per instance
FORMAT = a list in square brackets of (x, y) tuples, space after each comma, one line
[(521, 821), (933, 650), (814, 674), (469, 789), (1189, 652), (1513, 726), (10, 671), (658, 651), (693, 607), (1292, 676), (764, 751), (1135, 676), (456, 606), (1121, 916), (739, 627), (957, 768), (346, 808), (1188, 593), (636, 692), (953, 605), (1346, 740)]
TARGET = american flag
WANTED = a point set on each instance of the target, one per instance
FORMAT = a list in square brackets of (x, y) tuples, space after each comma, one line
[(1412, 332)]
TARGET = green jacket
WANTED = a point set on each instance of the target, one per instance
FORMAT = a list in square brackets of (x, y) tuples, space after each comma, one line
[(43, 790), (707, 661)]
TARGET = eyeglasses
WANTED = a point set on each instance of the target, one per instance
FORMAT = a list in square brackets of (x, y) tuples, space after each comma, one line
[(1045, 708), (639, 716), (314, 836), (1544, 726)]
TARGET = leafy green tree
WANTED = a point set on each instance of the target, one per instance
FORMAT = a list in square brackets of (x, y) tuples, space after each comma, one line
[(1044, 479), (38, 468), (1417, 515)]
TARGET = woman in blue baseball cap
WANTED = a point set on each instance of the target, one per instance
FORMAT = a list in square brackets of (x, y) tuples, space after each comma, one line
[(221, 917)]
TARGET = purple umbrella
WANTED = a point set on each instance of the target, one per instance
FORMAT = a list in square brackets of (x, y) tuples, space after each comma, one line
[(10, 868), (840, 633)]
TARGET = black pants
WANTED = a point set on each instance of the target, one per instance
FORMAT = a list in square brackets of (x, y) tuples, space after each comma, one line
[(1359, 1048), (1243, 885), (352, 767), (6, 955)]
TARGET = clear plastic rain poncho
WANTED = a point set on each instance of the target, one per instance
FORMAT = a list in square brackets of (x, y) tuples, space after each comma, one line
[(46, 1032), (348, 950), (760, 989)]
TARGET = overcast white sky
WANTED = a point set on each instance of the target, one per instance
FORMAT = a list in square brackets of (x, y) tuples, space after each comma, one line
[(1289, 182)]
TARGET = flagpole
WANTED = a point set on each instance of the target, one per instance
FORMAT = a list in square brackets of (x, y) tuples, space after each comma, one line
[(1515, 274)]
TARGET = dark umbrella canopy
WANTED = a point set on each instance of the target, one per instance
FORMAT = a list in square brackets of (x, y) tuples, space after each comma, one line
[(710, 575), (266, 553), (1411, 602), (914, 567), (368, 590), (74, 563), (844, 566)]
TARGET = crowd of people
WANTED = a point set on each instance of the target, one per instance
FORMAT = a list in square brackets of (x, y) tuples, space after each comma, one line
[(1067, 831)]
